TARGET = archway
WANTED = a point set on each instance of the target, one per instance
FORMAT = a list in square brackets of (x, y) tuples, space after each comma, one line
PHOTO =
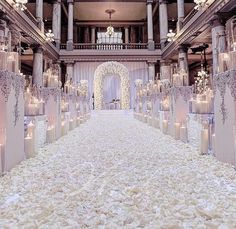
[(111, 68)]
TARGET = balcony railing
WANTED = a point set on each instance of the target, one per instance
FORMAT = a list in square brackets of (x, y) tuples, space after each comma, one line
[(188, 17), (88, 46), (31, 17)]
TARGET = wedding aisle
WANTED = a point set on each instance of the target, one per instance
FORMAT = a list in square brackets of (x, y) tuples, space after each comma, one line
[(116, 172)]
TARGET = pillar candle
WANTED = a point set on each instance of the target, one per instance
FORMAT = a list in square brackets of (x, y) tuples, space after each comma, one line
[(177, 131), (165, 126), (157, 123), (71, 124), (30, 128), (41, 107), (63, 128), (204, 107), (204, 141), (29, 147), (213, 140), (183, 134), (78, 121), (50, 134)]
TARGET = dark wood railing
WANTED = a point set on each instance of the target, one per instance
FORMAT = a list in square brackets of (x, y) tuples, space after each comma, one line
[(123, 46)]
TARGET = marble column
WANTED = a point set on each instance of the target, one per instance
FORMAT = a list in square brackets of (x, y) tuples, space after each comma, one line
[(39, 14), (165, 70), (218, 41), (70, 71), (151, 71), (56, 22), (126, 35), (163, 20), (180, 5), (151, 45), (37, 65), (183, 61), (70, 25), (93, 35)]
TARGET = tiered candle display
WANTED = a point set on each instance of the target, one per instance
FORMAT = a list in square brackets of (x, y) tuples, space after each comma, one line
[(69, 87), (33, 106), (179, 76), (9, 61), (202, 103), (51, 77)]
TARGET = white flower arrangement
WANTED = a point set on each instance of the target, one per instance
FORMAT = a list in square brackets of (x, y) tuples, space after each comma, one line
[(165, 83), (111, 68)]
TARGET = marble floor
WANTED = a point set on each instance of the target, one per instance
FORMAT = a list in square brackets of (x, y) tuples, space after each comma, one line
[(116, 172)]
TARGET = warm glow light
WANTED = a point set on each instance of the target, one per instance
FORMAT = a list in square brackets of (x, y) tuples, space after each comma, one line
[(110, 31), (20, 4), (170, 35), (49, 36), (200, 4)]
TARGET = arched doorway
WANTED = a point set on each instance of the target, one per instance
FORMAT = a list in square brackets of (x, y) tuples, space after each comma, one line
[(111, 68)]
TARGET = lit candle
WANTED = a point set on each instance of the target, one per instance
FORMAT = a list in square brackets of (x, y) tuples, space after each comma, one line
[(165, 126), (177, 131), (204, 107), (63, 128), (31, 127), (71, 124), (50, 134), (41, 107), (183, 134), (78, 121), (29, 147), (156, 123), (204, 141)]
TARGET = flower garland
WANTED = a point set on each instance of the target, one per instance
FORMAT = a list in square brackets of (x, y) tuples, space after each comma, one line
[(111, 68)]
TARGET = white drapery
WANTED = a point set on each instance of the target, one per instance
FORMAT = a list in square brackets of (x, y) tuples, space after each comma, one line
[(85, 71), (111, 88)]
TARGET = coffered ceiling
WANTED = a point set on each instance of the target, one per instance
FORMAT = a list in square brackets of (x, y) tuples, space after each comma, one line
[(124, 11)]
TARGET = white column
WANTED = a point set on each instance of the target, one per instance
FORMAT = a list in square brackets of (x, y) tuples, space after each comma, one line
[(151, 45), (165, 70), (93, 35), (218, 42), (126, 35), (56, 22), (70, 71), (151, 71), (38, 65), (163, 20), (183, 61), (70, 24), (180, 5), (39, 14)]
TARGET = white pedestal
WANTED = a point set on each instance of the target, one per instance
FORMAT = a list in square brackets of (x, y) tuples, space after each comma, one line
[(225, 117), (52, 97), (40, 130), (11, 119), (180, 97)]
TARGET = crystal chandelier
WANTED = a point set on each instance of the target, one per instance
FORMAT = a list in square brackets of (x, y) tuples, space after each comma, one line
[(49, 36), (20, 4), (202, 79), (110, 28), (200, 4), (170, 35)]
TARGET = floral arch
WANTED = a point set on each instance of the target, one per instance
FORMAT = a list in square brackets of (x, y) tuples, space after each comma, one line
[(111, 68)]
